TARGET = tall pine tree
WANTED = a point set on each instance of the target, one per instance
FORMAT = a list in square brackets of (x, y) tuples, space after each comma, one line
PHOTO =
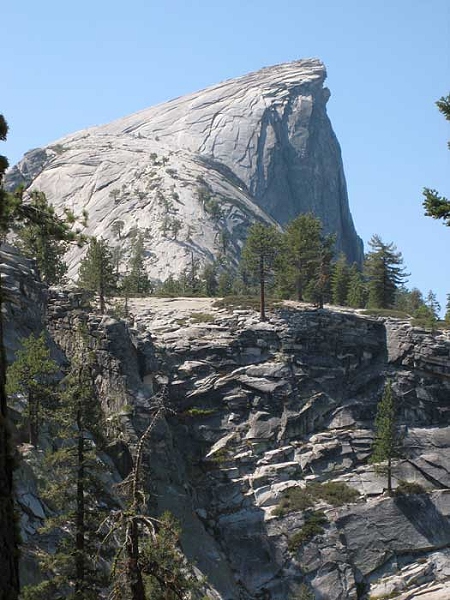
[(387, 443), (385, 273), (303, 243), (31, 374), (97, 273), (258, 257), (340, 280), (137, 282)]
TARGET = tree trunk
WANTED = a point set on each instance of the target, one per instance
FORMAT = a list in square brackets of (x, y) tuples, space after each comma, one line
[(134, 574), (80, 512), (9, 571), (33, 426), (389, 476), (262, 300)]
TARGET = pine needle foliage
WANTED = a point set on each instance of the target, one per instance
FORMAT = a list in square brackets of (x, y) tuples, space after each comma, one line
[(387, 442), (97, 273), (32, 374), (385, 273), (435, 205), (259, 253)]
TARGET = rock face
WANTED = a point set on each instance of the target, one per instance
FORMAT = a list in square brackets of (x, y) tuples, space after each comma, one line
[(258, 409), (193, 173)]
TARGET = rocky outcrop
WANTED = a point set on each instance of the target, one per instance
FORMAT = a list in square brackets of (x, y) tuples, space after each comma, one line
[(258, 409), (193, 173), (264, 407)]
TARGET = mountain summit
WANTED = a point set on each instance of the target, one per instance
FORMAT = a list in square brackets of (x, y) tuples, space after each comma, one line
[(193, 173)]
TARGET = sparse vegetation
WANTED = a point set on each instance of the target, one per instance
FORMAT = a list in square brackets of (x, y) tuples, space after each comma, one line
[(200, 412), (313, 526), (201, 317), (405, 488), (385, 312), (335, 493)]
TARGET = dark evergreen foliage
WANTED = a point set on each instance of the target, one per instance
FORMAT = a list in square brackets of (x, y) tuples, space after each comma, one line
[(259, 253), (385, 273), (437, 206), (97, 273), (387, 443)]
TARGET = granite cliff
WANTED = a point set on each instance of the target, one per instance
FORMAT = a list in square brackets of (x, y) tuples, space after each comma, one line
[(193, 173), (258, 409)]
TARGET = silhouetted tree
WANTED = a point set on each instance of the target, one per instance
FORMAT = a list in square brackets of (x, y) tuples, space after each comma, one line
[(437, 206)]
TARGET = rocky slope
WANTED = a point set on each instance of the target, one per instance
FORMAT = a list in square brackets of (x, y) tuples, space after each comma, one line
[(260, 408), (193, 173)]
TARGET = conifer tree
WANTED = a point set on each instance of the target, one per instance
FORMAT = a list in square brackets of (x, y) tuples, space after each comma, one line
[(447, 309), (225, 284), (209, 280), (385, 273), (36, 241), (357, 292), (387, 442), (31, 374), (258, 257), (148, 563), (318, 289), (75, 487), (437, 206), (14, 210), (409, 301), (340, 280), (97, 273), (301, 249), (9, 571), (137, 281)]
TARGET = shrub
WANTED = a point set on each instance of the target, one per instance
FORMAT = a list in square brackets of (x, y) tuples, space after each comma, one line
[(295, 499), (312, 527), (200, 412), (409, 487), (386, 312), (335, 493), (202, 317)]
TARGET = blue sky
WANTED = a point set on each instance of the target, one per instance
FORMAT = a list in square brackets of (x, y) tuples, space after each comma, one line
[(67, 66)]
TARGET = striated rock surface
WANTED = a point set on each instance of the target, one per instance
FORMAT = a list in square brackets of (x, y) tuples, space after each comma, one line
[(260, 408), (194, 172)]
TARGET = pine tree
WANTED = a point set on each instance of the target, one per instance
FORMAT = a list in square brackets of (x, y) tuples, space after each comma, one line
[(75, 487), (13, 211), (437, 206), (31, 374), (409, 301), (97, 273), (225, 284), (148, 563), (209, 280), (318, 290), (35, 242), (340, 280), (447, 309), (357, 292), (385, 273), (258, 256), (9, 571), (137, 281), (387, 442), (302, 246)]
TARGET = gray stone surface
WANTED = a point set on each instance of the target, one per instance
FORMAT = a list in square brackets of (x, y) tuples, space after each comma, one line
[(261, 146), (246, 427)]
